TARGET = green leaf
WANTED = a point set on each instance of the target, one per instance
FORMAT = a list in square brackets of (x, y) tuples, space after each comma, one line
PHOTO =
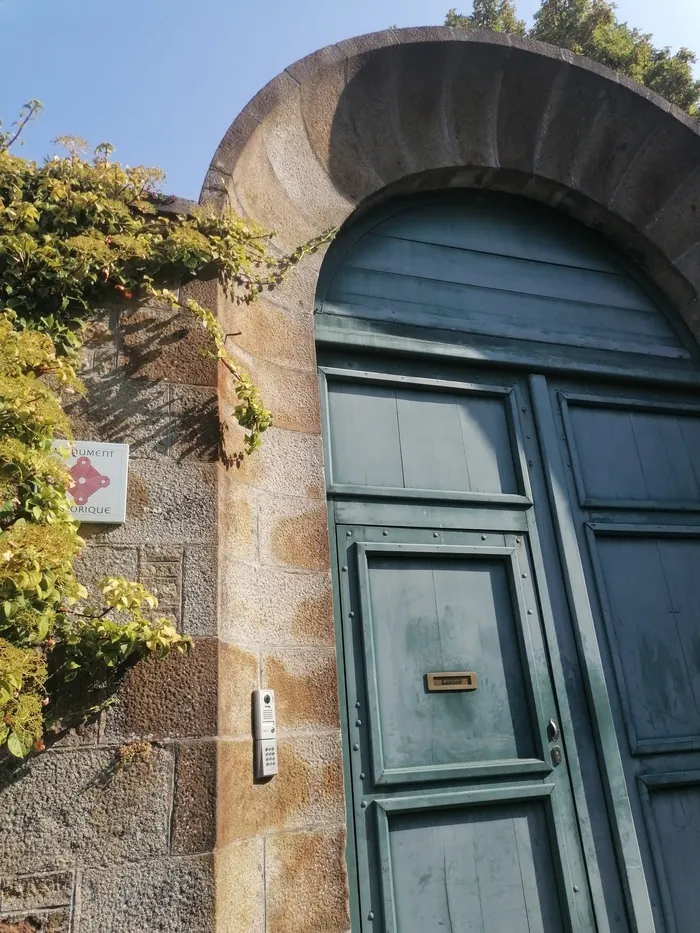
[(15, 746)]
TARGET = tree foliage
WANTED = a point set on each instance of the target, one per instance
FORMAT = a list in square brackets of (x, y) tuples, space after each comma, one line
[(591, 28), (499, 15), (76, 233)]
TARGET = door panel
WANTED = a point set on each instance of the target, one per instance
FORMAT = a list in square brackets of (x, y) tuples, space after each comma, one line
[(479, 868), (633, 496), (383, 430), (443, 780), (447, 608)]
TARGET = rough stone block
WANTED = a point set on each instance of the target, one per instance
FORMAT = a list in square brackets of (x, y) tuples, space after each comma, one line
[(294, 162), (529, 84), (194, 807), (167, 503), (265, 199), (676, 227), (200, 581), (290, 394), (75, 807), (119, 410), (578, 99), (293, 532), (174, 697), (240, 887), (99, 354), (306, 882), (172, 895), (332, 135), (274, 333), (39, 921), (306, 684), (36, 892), (238, 518), (99, 560), (164, 345), (238, 676), (289, 463), (271, 606), (308, 791), (160, 571), (195, 423)]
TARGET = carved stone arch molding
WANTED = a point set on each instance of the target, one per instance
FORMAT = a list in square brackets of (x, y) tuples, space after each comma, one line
[(338, 131)]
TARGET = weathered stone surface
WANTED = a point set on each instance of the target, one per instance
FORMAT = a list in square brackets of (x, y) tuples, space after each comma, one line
[(240, 888), (100, 560), (331, 133), (293, 532), (73, 807), (676, 227), (238, 677), (308, 791), (238, 520), (99, 355), (195, 423), (194, 807), (159, 896), (291, 394), (160, 571), (264, 199), (271, 606), (270, 332), (305, 681), (306, 882), (167, 503), (162, 344), (529, 83), (200, 582), (289, 463), (36, 892), (39, 921), (118, 410), (666, 159), (174, 697)]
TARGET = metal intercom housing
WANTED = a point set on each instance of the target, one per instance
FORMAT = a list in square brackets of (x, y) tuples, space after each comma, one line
[(265, 733)]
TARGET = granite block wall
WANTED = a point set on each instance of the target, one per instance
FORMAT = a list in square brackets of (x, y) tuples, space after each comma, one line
[(87, 846)]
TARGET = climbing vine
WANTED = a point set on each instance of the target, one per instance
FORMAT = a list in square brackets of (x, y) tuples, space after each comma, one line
[(77, 232)]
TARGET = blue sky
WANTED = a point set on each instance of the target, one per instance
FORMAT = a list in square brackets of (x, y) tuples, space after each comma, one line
[(163, 79)]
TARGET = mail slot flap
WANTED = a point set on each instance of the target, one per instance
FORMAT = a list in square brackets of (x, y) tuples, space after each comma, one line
[(439, 681)]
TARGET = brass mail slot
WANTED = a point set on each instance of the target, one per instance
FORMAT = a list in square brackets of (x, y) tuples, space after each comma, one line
[(451, 680)]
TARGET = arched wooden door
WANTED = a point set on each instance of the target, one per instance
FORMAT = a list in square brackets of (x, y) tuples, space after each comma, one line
[(512, 438)]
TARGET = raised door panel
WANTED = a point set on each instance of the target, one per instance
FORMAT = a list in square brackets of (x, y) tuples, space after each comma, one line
[(649, 590), (429, 609), (433, 438), (480, 868)]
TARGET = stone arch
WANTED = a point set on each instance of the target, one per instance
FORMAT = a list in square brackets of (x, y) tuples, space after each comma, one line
[(335, 133)]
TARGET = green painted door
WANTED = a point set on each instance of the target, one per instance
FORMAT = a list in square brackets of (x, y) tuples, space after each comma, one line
[(627, 464), (539, 528), (462, 802)]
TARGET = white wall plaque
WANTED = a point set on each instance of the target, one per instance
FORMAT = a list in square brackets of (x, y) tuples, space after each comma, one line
[(99, 474)]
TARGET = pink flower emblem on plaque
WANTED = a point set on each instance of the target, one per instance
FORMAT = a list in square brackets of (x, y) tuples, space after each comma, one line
[(87, 480)]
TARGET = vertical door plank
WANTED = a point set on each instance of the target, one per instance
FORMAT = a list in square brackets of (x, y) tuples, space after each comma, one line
[(364, 435), (432, 447), (487, 444), (404, 628), (607, 452)]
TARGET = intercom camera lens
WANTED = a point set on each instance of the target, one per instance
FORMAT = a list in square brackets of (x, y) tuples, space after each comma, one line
[(267, 698)]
